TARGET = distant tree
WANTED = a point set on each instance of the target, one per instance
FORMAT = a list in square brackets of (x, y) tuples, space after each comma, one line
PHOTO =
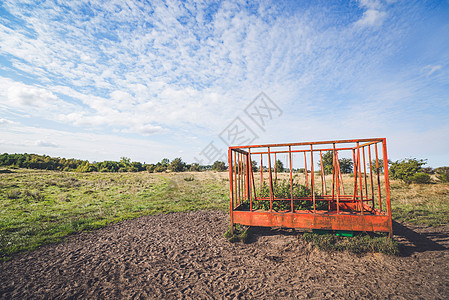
[(150, 168), (219, 166), (177, 165), (409, 170), (125, 160), (279, 166), (254, 166), (346, 164), (381, 165), (194, 167), (165, 162), (442, 174)]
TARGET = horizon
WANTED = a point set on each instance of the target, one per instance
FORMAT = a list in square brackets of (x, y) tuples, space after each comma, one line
[(99, 81)]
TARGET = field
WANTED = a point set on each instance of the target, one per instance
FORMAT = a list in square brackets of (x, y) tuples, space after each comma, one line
[(41, 207), (162, 255)]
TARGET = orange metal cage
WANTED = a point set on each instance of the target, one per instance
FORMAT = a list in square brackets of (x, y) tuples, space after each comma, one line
[(265, 196)]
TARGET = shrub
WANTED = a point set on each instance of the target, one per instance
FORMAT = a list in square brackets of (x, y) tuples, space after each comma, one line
[(194, 167), (177, 165), (219, 166), (420, 178), (442, 174), (189, 178), (279, 166), (405, 169)]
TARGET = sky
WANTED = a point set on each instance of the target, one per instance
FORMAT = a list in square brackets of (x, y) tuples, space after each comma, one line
[(99, 80)]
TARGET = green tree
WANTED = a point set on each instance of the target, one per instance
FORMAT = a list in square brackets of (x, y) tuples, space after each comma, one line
[(177, 165), (194, 167), (254, 166), (406, 169), (219, 166), (346, 164), (381, 165), (279, 166)]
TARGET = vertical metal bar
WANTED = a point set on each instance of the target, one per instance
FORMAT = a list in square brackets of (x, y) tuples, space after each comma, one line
[(339, 174), (291, 178), (235, 176), (240, 178), (313, 178), (245, 177), (360, 178), (247, 187), (305, 170), (335, 172), (371, 175), (231, 192), (387, 185), (355, 176), (364, 173), (271, 181), (322, 175), (275, 168), (250, 172), (378, 178), (261, 172)]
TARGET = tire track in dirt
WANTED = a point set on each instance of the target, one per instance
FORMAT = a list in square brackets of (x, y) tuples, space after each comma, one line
[(184, 255)]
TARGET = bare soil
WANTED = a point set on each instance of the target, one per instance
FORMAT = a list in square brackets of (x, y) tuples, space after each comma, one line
[(184, 255)]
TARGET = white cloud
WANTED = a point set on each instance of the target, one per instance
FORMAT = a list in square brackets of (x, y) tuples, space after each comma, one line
[(46, 144), (433, 69), (372, 17), (31, 96), (6, 122)]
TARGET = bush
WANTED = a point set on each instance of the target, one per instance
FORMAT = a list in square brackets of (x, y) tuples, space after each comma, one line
[(420, 178), (219, 166), (442, 174), (177, 165), (406, 169), (194, 167)]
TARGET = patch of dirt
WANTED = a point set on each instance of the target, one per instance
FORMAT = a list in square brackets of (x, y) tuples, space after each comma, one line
[(184, 255)]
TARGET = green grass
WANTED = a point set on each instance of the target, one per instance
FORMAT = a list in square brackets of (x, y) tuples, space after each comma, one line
[(41, 207), (360, 243), (421, 204)]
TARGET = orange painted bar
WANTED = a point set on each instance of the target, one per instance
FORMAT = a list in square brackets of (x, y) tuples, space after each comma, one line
[(352, 222)]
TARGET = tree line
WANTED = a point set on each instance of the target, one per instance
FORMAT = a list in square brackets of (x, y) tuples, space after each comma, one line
[(45, 162), (408, 170)]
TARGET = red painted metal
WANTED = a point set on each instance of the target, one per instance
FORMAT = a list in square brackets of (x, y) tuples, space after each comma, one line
[(343, 211)]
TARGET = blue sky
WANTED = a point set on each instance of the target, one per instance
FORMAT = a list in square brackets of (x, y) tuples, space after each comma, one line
[(98, 80)]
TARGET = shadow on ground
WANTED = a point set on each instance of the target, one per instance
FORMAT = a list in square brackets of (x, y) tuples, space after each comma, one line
[(420, 239)]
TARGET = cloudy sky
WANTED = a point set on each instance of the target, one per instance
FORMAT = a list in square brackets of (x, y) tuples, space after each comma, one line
[(98, 80)]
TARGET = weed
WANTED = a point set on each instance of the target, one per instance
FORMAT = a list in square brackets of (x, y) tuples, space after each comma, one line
[(189, 178), (13, 194), (360, 243), (240, 234)]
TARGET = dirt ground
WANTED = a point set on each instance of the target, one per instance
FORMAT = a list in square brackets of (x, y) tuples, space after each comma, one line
[(184, 255)]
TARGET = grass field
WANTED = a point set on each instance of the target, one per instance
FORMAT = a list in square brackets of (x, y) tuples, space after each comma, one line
[(41, 207)]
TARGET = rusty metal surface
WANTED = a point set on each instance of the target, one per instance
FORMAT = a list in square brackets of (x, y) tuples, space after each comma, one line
[(358, 211)]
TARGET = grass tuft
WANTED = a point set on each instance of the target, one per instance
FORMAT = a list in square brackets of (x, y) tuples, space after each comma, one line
[(359, 244), (240, 234)]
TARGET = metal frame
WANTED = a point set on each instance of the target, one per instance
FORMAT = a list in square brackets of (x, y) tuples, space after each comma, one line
[(367, 208)]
